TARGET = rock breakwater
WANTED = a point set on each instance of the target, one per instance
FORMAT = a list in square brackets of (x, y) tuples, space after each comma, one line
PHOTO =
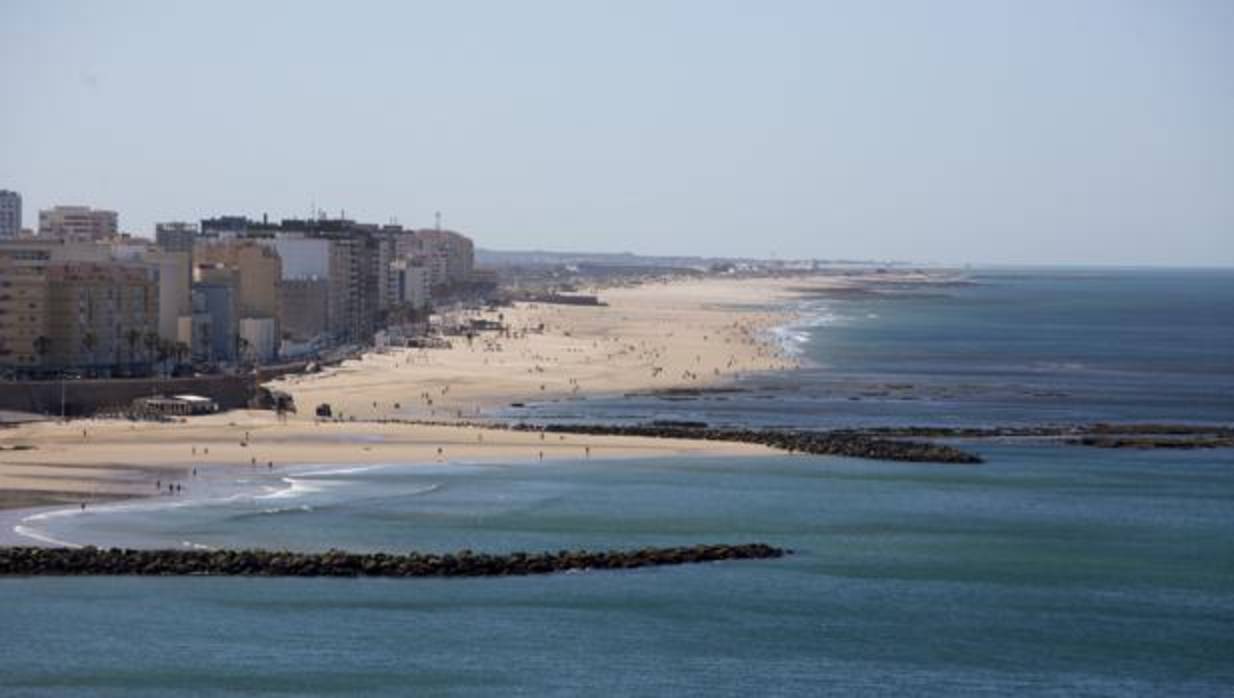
[(853, 445), (30, 561)]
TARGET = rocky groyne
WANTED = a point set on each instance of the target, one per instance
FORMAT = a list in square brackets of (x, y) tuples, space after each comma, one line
[(822, 443), (29, 561), (1100, 435)]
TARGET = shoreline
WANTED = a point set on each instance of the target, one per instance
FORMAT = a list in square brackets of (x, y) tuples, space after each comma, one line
[(464, 445), (722, 331), (555, 352)]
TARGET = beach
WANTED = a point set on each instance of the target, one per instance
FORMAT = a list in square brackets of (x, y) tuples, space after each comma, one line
[(655, 336), (684, 334)]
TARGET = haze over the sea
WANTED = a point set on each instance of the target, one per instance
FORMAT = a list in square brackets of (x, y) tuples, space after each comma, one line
[(1010, 132)]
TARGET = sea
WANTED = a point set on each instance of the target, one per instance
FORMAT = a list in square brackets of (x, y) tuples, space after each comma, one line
[(1048, 570)]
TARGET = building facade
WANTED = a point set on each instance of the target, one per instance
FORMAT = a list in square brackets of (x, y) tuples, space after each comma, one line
[(257, 272), (215, 297), (10, 214), (77, 223), (303, 308), (176, 236), (101, 315), (409, 284), (23, 314)]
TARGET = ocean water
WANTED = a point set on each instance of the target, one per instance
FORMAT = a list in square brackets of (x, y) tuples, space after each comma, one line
[(1006, 347), (1048, 570)]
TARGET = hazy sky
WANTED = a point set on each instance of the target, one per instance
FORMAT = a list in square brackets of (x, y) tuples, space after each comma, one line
[(984, 131)]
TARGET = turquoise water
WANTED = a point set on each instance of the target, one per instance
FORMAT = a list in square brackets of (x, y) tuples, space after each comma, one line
[(1048, 570)]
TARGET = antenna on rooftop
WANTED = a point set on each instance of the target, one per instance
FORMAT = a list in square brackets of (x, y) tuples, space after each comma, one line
[(438, 216)]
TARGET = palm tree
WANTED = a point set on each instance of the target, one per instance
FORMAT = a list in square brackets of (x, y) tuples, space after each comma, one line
[(182, 351), (89, 341), (133, 336), (242, 347), (165, 350), (151, 340), (42, 345)]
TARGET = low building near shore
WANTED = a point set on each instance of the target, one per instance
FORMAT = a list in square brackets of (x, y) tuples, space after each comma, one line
[(175, 405)]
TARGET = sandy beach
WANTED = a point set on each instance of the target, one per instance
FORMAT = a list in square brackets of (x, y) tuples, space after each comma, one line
[(655, 336)]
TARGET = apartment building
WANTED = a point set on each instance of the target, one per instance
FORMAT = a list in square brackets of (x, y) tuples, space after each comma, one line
[(258, 271), (10, 214), (77, 223), (101, 315)]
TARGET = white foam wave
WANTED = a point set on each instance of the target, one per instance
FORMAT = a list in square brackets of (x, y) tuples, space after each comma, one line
[(298, 487), (281, 510), (793, 337), (43, 537), (339, 471)]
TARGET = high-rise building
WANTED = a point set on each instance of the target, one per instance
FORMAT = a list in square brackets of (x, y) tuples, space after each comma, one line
[(456, 251), (350, 307), (175, 236), (10, 214), (258, 271), (409, 283), (23, 313), (77, 223), (225, 226), (353, 259), (215, 297), (303, 308), (101, 314)]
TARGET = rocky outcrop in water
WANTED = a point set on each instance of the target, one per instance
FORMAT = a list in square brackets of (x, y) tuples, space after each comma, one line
[(1100, 435), (27, 561)]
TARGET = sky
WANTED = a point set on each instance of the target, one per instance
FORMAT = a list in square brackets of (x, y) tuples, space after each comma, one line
[(976, 131)]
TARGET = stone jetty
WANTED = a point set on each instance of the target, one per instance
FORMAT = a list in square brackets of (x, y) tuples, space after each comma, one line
[(30, 561), (822, 443)]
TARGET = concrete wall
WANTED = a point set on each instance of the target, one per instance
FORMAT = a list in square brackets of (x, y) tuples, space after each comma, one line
[(85, 397)]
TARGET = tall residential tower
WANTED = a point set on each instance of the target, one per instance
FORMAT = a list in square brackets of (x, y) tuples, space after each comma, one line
[(10, 214)]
